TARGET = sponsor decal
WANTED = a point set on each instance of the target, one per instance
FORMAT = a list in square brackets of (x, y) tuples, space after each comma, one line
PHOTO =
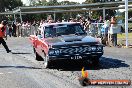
[(85, 81)]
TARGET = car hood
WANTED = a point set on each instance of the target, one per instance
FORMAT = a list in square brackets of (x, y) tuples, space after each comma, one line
[(70, 39)]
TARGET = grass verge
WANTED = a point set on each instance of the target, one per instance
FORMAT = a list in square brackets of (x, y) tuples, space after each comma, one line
[(123, 35)]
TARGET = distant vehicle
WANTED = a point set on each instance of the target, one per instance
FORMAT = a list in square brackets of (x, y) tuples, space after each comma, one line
[(129, 26), (68, 40), (130, 20)]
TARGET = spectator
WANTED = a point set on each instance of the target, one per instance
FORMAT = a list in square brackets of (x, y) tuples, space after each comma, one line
[(24, 29), (19, 30), (10, 30), (14, 29), (2, 34)]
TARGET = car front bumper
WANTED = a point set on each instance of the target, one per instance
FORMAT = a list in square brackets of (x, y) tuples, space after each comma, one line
[(73, 56)]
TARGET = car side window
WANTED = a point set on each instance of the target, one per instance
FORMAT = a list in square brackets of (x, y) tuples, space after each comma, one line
[(70, 30), (49, 32)]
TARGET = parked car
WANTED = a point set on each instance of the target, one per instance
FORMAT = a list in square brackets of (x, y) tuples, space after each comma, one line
[(129, 26), (66, 40)]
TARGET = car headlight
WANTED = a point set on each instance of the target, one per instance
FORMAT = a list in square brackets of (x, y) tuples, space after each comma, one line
[(89, 48), (51, 52), (54, 52), (99, 48), (93, 48)]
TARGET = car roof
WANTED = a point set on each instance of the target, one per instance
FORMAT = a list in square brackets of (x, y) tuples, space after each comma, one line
[(67, 23)]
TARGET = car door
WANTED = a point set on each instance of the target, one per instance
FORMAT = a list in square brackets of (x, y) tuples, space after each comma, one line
[(42, 45), (32, 40), (39, 46)]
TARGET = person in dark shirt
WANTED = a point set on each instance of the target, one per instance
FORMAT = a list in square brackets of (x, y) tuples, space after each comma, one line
[(10, 30), (14, 29)]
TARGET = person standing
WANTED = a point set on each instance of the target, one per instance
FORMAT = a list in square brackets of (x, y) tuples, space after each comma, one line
[(14, 29), (10, 30), (2, 35)]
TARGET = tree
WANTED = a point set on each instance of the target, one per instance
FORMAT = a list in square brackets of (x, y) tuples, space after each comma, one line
[(129, 13), (52, 2), (9, 4), (44, 2), (68, 3), (89, 1), (96, 14)]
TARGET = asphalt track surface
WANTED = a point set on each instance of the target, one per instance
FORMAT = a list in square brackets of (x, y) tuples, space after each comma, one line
[(19, 69)]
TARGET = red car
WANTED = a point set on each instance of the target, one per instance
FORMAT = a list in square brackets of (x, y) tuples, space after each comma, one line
[(65, 41)]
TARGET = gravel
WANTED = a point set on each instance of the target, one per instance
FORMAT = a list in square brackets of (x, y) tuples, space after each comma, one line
[(21, 70)]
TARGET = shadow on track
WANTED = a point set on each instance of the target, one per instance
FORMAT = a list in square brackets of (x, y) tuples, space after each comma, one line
[(22, 67), (105, 63), (20, 53)]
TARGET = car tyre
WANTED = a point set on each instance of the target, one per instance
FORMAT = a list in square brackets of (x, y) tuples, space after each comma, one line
[(46, 61), (34, 50), (95, 61), (38, 57)]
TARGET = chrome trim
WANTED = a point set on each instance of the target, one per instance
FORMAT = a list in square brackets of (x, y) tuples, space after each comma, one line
[(99, 52), (87, 53), (75, 46), (93, 52), (86, 45), (94, 55), (76, 54), (63, 47), (53, 56), (66, 55)]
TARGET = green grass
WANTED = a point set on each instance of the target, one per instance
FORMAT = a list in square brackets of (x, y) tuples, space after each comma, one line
[(124, 36)]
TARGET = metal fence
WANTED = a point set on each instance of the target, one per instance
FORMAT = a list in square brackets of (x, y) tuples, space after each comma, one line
[(23, 31), (27, 31), (94, 29), (99, 29)]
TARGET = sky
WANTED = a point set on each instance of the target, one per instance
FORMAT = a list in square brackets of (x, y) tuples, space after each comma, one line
[(24, 1), (80, 1)]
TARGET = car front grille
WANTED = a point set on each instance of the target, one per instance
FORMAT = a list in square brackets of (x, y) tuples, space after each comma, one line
[(74, 50), (82, 50)]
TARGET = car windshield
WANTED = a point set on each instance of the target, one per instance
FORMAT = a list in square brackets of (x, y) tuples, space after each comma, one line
[(63, 29)]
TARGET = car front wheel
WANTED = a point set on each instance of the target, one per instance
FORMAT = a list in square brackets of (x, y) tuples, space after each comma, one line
[(46, 61), (95, 61), (34, 50), (38, 57)]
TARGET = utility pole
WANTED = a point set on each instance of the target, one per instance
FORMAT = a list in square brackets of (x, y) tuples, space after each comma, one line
[(126, 21)]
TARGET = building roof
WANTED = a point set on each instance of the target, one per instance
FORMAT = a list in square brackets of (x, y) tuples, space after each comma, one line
[(67, 8)]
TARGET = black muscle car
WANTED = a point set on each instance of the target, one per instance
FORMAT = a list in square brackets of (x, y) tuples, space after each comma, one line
[(65, 41)]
